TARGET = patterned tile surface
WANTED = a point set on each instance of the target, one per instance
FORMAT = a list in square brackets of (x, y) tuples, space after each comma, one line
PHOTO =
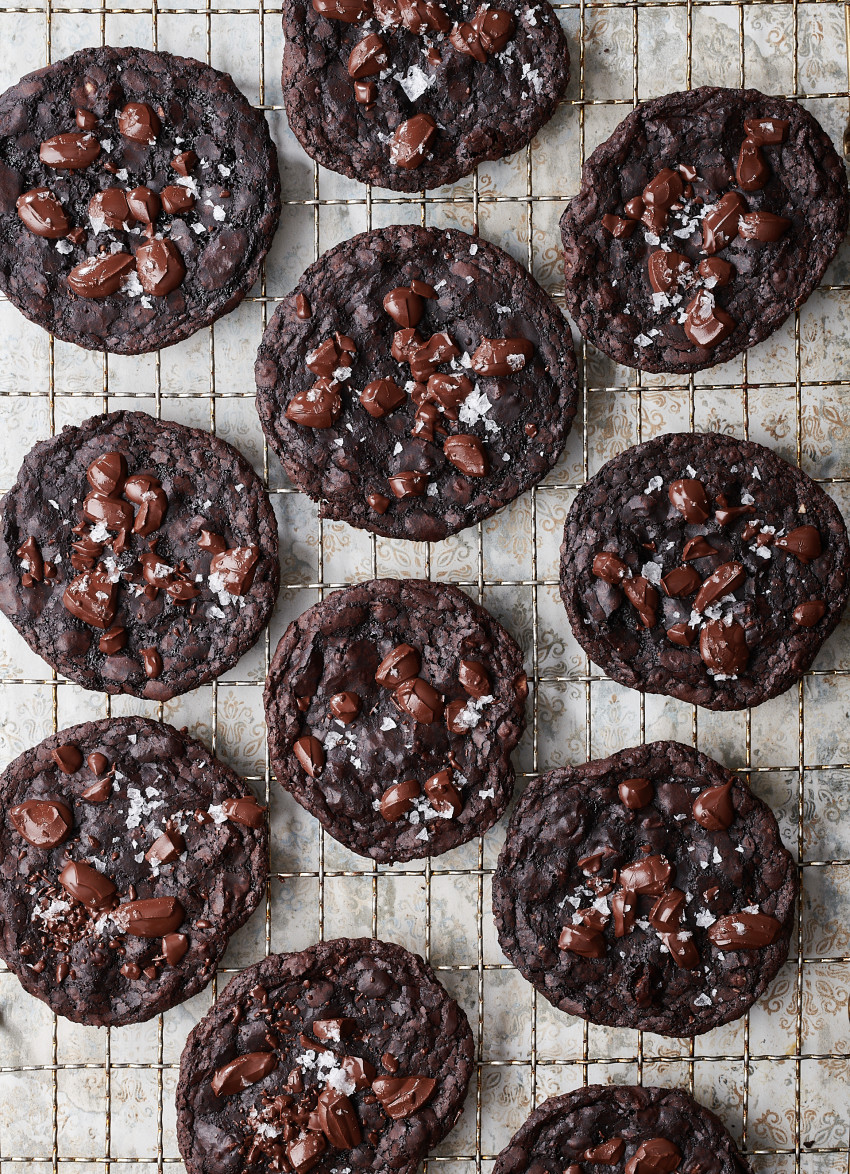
[(779, 1079)]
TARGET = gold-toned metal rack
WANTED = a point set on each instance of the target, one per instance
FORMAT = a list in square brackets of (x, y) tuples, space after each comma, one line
[(41, 1145)]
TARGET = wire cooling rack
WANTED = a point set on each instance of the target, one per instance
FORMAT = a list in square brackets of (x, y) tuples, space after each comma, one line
[(780, 1077)]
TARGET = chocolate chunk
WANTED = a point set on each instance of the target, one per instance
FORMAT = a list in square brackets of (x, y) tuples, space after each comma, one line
[(400, 664), (397, 800), (681, 581), (619, 227), (419, 700), (382, 396), (87, 885), (408, 484), (698, 547), (715, 271), (235, 569), (744, 931), (69, 151), (752, 171), (726, 579), (649, 875), (682, 634), (411, 139), (139, 122), (42, 213), (160, 267), (655, 1156), (443, 795), (400, 1096), (310, 753), (144, 204), (608, 1153), (98, 791), (174, 947), (582, 940), (608, 567), (338, 1120), (176, 198), (109, 207), (723, 647), (467, 454), (150, 918), (690, 499), (804, 542), (706, 325), (317, 407), (344, 707), (184, 163), (44, 823), (636, 793), (643, 597), (713, 808), (100, 276), (667, 270), (166, 848), (720, 225), (624, 911), (67, 758), (763, 227), (474, 678), (107, 474), (501, 356), (404, 306), (366, 59), (810, 613), (245, 811), (241, 1072), (348, 11), (151, 662), (302, 307)]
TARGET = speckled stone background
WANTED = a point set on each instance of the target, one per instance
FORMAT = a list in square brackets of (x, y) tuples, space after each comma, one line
[(779, 1080)]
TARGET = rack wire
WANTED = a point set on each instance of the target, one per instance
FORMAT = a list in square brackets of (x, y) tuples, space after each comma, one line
[(780, 1077)]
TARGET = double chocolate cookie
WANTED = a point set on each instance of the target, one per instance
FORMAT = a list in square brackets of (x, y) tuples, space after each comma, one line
[(704, 567), (621, 1129), (704, 220), (346, 1056), (654, 876), (412, 94), (137, 555), (392, 709), (128, 856), (416, 380), (139, 193)]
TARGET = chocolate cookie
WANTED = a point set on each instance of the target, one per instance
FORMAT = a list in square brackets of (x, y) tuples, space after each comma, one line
[(704, 567), (392, 709), (137, 555), (128, 856), (349, 1055), (705, 219), (412, 94), (655, 876), (416, 380), (139, 193), (621, 1129)]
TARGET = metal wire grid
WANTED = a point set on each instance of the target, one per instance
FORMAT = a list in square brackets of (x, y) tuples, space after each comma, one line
[(45, 1148)]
